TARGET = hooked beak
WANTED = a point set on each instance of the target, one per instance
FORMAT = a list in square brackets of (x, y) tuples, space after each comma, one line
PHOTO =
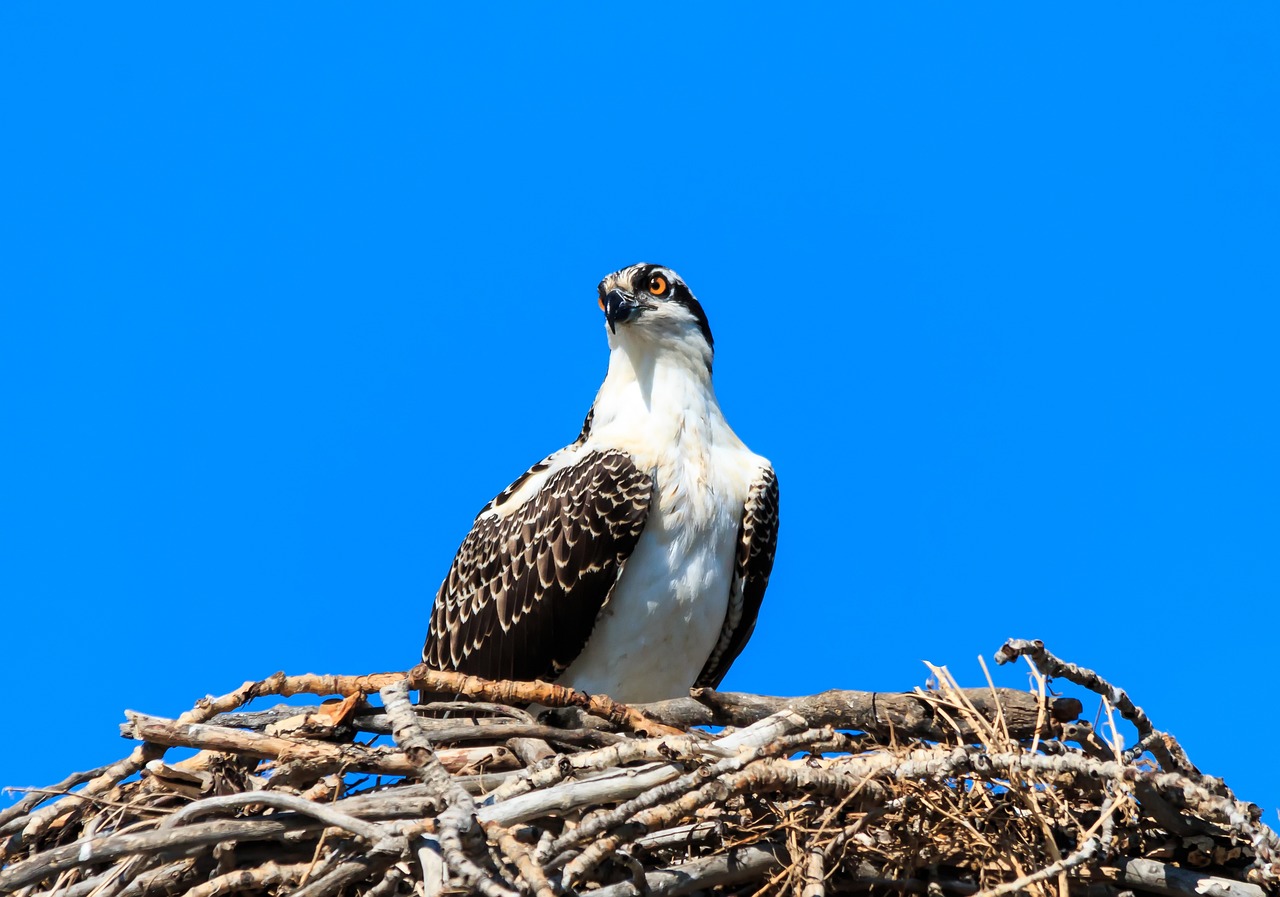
[(619, 307)]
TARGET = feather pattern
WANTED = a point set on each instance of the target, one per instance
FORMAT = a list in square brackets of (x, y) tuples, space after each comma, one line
[(757, 541), (526, 587)]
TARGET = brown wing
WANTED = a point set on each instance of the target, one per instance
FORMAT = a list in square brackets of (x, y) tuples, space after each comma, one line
[(757, 539), (524, 590)]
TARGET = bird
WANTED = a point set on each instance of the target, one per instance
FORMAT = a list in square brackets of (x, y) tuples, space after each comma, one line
[(633, 561)]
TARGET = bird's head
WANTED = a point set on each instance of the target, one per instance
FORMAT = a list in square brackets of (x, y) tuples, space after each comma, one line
[(649, 305)]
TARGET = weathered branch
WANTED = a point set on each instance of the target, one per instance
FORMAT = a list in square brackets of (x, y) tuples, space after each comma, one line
[(319, 755), (735, 865), (1165, 748), (457, 820), (1162, 878), (885, 714), (426, 679)]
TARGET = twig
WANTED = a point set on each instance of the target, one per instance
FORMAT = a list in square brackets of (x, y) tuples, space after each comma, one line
[(458, 819), (370, 832), (1166, 749), (317, 755), (349, 871), (38, 796), (530, 871), (1161, 878), (548, 694), (603, 820), (878, 713), (113, 847), (735, 866), (268, 875)]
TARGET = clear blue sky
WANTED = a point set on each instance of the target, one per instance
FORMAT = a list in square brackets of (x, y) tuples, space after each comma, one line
[(288, 291)]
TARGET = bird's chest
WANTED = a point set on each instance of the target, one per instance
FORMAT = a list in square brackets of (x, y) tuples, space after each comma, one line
[(691, 496), (700, 476), (666, 612)]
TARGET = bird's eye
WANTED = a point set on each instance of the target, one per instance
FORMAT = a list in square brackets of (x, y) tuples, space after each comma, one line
[(600, 301), (657, 285)]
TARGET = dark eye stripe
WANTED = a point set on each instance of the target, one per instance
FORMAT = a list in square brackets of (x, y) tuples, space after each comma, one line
[(680, 293)]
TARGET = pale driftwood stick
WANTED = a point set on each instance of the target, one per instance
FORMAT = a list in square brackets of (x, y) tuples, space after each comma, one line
[(353, 869), (866, 877), (815, 874), (412, 801), (737, 865), (531, 751), (510, 807), (268, 875), (432, 864), (165, 879), (877, 713), (388, 884), (682, 835), (170, 879), (406, 801), (370, 832), (530, 871), (658, 807), (473, 707), (618, 784), (457, 821), (601, 821), (324, 756), (606, 758), (440, 730), (1160, 878)]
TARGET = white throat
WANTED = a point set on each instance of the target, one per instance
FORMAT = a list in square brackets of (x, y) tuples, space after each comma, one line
[(658, 395)]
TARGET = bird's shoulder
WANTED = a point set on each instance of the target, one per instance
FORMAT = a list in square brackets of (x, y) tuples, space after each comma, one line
[(533, 480), (528, 581)]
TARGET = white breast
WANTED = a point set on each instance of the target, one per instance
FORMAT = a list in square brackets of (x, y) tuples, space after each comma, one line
[(665, 615), (662, 622)]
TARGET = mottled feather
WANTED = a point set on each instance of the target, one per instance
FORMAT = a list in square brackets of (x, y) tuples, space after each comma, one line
[(525, 589), (757, 540)]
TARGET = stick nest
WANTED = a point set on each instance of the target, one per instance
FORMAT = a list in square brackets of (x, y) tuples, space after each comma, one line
[(946, 791)]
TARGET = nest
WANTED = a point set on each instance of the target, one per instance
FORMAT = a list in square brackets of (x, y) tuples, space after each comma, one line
[(946, 791)]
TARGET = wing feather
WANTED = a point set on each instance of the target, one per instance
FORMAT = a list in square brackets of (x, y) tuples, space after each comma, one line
[(524, 590), (757, 541)]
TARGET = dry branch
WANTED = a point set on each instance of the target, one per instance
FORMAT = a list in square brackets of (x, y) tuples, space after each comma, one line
[(877, 713), (948, 792), (318, 755)]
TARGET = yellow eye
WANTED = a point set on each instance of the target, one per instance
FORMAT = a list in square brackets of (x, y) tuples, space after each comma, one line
[(657, 284), (600, 301)]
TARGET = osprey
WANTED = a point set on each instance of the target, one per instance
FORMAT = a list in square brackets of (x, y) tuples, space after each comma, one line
[(632, 562)]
